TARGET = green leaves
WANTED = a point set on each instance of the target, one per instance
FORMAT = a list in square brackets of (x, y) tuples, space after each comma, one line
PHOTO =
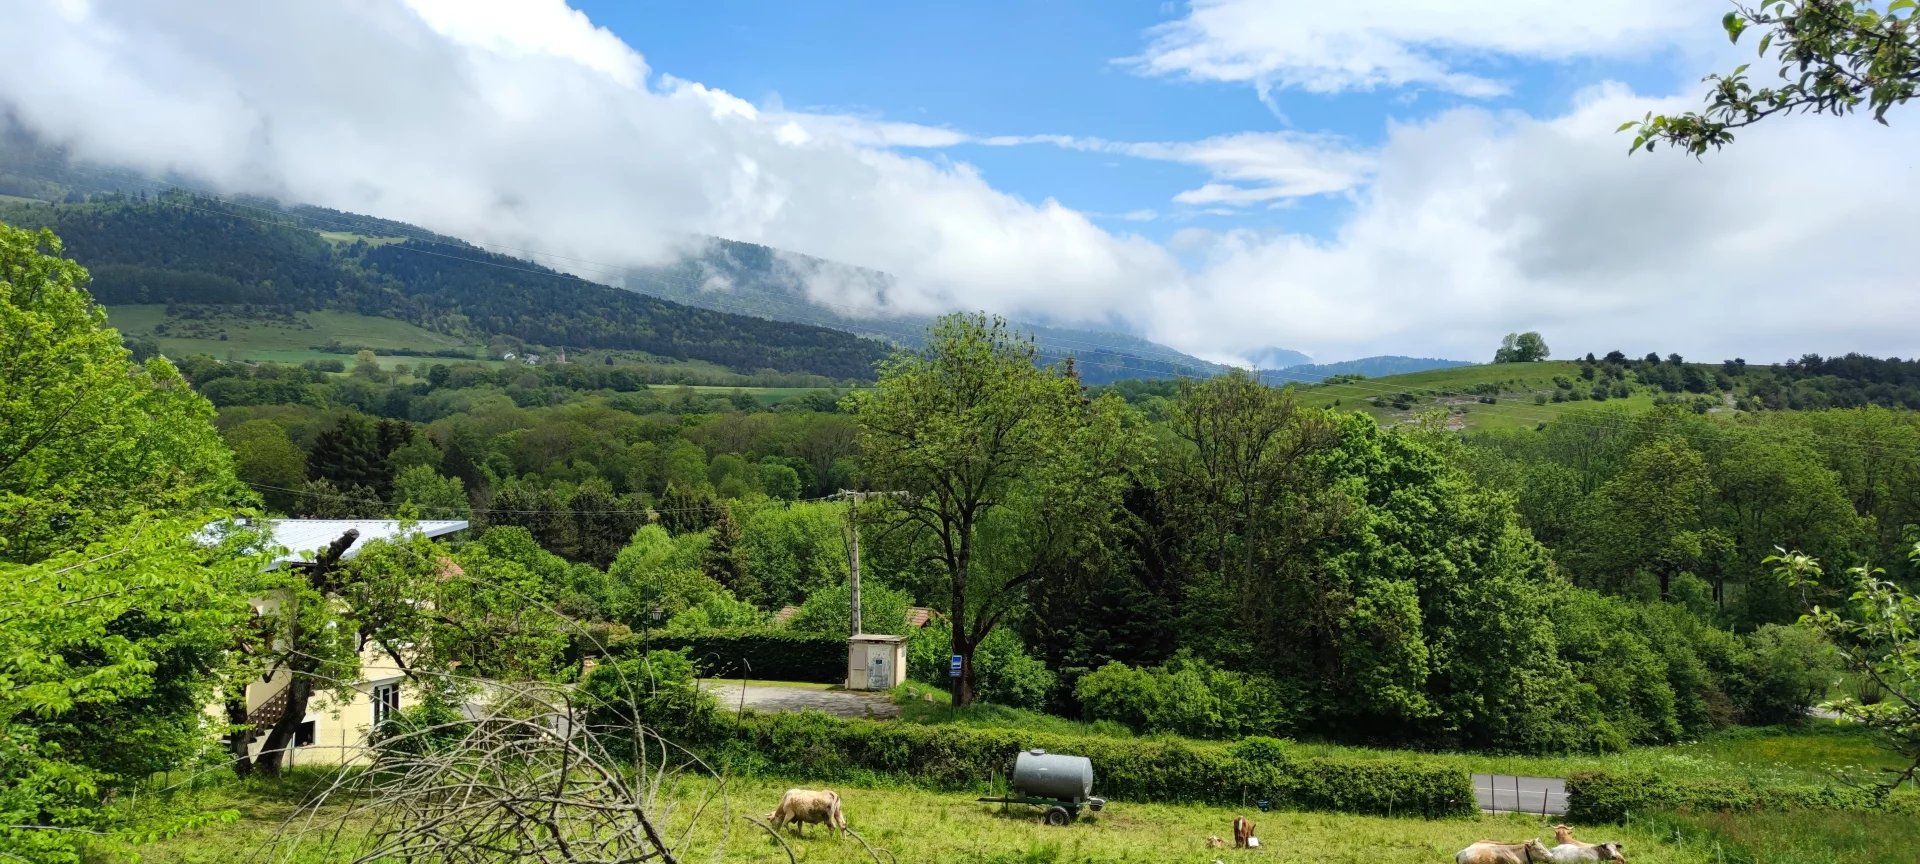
[(1837, 55)]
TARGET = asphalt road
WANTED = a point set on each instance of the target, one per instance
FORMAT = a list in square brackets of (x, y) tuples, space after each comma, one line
[(761, 697), (1507, 793)]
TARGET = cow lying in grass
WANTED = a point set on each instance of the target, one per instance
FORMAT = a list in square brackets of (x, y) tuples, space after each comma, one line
[(1571, 851), (1489, 852), (802, 806)]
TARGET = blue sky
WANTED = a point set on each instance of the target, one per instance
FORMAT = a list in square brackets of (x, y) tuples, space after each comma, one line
[(1026, 68), (1221, 176)]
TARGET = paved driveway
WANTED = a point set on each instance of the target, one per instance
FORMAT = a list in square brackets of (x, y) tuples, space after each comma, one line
[(1507, 793), (763, 697)]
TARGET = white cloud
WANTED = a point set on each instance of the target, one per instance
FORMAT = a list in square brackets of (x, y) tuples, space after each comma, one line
[(1477, 223), (1326, 47), (1246, 168), (534, 28), (1460, 227), (523, 127)]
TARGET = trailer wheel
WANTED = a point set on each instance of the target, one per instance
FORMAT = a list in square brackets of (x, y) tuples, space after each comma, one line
[(1057, 816)]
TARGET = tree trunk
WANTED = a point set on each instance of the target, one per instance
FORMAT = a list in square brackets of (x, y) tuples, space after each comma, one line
[(240, 739), (280, 738)]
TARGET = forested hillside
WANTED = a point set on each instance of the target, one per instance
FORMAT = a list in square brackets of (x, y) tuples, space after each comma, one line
[(727, 274), (177, 248)]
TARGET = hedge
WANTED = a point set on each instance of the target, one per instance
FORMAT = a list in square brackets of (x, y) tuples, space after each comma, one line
[(770, 654), (1604, 796), (822, 747)]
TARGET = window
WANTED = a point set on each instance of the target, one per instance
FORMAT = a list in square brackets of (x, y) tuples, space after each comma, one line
[(303, 736), (386, 700)]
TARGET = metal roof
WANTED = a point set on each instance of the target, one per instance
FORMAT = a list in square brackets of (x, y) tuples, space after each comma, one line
[(303, 538)]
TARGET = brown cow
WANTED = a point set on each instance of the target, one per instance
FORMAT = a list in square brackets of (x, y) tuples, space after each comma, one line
[(802, 806), (1242, 830), (1571, 851), (1489, 852)]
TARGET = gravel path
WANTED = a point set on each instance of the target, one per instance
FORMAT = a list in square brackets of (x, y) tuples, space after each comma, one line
[(845, 703)]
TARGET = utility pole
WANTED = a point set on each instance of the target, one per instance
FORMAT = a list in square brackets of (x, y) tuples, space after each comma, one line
[(853, 500)]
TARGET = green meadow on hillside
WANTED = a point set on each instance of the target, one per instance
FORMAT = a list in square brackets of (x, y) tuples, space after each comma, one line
[(1488, 396), (293, 338)]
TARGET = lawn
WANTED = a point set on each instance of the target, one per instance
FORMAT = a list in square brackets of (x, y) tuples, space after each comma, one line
[(919, 826)]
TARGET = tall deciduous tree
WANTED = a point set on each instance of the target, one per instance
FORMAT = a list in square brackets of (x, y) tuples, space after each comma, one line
[(1525, 347), (113, 617), (88, 438), (1006, 467)]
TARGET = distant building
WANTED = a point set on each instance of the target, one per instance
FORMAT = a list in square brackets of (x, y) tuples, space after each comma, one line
[(332, 732)]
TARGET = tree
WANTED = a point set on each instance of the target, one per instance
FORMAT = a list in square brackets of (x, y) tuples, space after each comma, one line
[(349, 454), (89, 439), (420, 492), (1525, 347), (268, 461), (1835, 56), (109, 655), (1007, 467), (1651, 517), (1879, 638), (725, 561)]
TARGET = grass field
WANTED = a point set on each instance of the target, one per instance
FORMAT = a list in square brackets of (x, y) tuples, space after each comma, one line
[(919, 826), (283, 341), (1819, 752), (1514, 388), (344, 238)]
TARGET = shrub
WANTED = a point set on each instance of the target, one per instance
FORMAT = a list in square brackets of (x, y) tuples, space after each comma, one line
[(658, 690), (928, 650), (1005, 674), (1604, 796), (827, 748), (1186, 696), (777, 654), (1787, 669)]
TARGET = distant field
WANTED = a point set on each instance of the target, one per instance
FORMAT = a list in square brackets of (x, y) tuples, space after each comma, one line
[(1513, 387), (763, 395), (282, 341), (343, 238)]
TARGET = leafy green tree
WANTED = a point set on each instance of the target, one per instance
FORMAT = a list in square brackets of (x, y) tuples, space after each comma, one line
[(1006, 466), (1835, 57), (1649, 518), (89, 439), (1525, 347), (829, 611), (796, 550), (420, 492), (1877, 629), (107, 662), (268, 461)]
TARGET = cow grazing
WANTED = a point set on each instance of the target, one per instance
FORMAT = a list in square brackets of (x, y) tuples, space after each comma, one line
[(1242, 831), (1571, 851), (1489, 852), (802, 806)]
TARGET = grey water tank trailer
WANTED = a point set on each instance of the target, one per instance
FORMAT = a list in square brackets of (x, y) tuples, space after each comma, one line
[(1060, 783)]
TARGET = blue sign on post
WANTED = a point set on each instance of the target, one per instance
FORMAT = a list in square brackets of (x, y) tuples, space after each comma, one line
[(953, 667)]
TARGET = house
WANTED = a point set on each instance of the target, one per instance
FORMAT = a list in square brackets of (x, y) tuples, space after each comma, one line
[(333, 731)]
